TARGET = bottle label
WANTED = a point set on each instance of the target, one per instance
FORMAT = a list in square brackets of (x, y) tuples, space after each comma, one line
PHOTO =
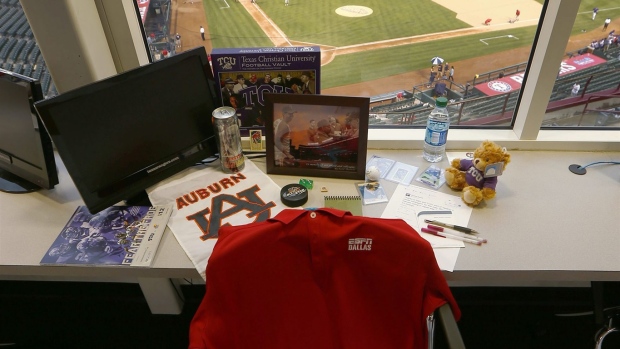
[(436, 133)]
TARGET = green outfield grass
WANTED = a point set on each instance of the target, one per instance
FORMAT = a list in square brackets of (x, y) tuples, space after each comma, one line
[(233, 26), (316, 22), (398, 60), (607, 8)]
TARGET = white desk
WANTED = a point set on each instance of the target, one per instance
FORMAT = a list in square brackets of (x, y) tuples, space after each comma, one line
[(546, 227)]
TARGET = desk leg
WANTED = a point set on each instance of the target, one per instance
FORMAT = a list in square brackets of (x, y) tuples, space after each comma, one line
[(163, 295), (597, 298)]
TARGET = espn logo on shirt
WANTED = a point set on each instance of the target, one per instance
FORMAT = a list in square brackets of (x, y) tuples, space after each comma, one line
[(360, 244)]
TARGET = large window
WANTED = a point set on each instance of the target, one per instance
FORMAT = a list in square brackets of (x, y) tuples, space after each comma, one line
[(402, 54), (521, 120), (404, 59), (587, 90)]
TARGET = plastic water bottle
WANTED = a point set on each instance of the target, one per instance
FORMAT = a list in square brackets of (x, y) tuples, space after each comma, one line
[(437, 131)]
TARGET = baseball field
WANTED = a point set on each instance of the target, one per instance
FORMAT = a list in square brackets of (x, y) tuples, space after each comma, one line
[(373, 46)]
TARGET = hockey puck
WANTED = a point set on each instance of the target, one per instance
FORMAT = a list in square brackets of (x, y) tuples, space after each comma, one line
[(294, 195)]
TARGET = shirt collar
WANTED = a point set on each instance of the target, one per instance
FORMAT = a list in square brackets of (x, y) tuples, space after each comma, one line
[(288, 215)]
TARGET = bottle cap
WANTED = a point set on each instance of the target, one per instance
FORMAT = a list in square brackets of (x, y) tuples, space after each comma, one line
[(441, 102)]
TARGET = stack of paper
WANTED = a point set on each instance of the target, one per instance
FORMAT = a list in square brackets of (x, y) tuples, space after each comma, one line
[(414, 204)]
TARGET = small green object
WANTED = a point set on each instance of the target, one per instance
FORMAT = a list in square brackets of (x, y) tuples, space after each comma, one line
[(441, 102), (308, 183)]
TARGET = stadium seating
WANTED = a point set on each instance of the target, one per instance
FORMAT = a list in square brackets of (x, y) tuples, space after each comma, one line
[(23, 56), (16, 49), (4, 52), (3, 41), (27, 70), (17, 68), (384, 96), (36, 73), (9, 23), (7, 16), (607, 80), (19, 51), (24, 30), (34, 54), (46, 79), (475, 105), (564, 84)]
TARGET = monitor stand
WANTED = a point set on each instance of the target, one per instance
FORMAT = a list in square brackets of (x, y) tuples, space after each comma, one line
[(140, 199), (10, 183)]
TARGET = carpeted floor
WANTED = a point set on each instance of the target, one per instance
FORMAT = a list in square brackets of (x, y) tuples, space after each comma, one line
[(41, 315)]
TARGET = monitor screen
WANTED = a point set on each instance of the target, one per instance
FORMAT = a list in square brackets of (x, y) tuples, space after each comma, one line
[(26, 152), (123, 134)]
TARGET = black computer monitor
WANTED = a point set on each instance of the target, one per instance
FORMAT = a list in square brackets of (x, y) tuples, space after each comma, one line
[(26, 152), (123, 134)]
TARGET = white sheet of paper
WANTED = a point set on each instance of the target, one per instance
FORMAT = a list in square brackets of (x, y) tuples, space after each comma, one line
[(460, 155), (414, 204), (446, 258)]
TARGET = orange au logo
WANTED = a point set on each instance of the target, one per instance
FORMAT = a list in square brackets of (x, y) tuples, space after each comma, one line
[(246, 202)]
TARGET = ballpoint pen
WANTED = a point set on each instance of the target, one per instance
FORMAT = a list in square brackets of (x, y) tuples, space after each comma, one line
[(454, 237), (455, 232), (455, 227)]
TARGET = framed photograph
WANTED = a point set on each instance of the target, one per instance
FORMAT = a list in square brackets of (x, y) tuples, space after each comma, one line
[(316, 135)]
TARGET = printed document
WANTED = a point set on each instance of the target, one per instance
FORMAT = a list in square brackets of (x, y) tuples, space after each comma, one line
[(414, 204)]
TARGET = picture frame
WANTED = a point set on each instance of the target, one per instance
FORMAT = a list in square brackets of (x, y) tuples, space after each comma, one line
[(334, 150)]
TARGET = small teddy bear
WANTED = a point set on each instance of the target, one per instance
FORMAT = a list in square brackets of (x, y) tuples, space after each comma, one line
[(477, 178)]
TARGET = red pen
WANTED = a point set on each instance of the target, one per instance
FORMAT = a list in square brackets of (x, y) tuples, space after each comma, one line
[(451, 226), (455, 237), (432, 232)]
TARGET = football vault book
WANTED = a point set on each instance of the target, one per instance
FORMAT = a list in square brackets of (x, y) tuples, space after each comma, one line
[(247, 74), (118, 235)]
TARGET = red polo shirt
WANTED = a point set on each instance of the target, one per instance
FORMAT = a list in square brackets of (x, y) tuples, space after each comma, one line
[(319, 279)]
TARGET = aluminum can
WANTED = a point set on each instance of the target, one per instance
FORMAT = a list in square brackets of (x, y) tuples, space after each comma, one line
[(226, 127)]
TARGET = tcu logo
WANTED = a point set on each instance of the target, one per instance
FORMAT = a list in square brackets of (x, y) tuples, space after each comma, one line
[(226, 62), (246, 200), (258, 93), (474, 172)]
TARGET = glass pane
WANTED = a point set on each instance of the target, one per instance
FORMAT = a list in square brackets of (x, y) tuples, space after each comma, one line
[(156, 20), (586, 91), (379, 49), (19, 51)]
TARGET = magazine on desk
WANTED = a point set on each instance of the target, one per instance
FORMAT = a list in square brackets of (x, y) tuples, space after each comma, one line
[(116, 236)]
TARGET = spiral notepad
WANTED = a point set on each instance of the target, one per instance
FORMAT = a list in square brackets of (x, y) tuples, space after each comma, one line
[(352, 204)]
